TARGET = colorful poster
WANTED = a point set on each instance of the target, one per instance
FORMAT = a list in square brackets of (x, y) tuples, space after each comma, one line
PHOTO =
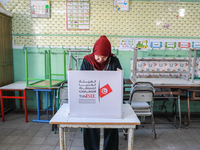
[(126, 43), (196, 44), (40, 9), (156, 44), (142, 44), (78, 14), (184, 44), (121, 5), (170, 44)]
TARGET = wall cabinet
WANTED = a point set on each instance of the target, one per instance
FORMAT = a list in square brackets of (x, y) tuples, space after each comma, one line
[(6, 57)]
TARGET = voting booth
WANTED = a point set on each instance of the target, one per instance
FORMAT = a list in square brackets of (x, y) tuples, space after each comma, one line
[(95, 94)]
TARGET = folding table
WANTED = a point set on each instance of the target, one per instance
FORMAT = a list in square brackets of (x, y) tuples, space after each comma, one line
[(129, 120)]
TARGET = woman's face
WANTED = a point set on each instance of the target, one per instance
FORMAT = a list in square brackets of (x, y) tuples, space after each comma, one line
[(100, 59)]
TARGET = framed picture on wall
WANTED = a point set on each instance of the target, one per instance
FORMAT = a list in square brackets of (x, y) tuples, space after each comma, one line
[(78, 15), (40, 8)]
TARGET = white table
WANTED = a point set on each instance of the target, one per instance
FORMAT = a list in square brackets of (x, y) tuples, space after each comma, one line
[(16, 86), (129, 120)]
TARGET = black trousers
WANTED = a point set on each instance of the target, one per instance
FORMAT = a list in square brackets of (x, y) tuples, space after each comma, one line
[(91, 139)]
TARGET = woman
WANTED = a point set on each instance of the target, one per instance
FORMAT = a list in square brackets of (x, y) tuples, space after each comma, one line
[(101, 59)]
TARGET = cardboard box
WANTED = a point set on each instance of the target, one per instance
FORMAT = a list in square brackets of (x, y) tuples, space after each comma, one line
[(95, 93)]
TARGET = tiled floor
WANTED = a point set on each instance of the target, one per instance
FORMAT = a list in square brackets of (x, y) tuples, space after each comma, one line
[(15, 134)]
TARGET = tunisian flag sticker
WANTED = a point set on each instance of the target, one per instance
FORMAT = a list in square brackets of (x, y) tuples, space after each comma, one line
[(105, 90)]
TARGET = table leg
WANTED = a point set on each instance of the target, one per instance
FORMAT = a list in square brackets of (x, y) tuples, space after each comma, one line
[(38, 105), (47, 106), (130, 139), (2, 110), (65, 142), (179, 110), (39, 100), (63, 145), (101, 139), (50, 100), (25, 106), (188, 102), (20, 100)]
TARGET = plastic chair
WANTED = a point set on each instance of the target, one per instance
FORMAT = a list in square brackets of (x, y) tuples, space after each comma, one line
[(141, 99)]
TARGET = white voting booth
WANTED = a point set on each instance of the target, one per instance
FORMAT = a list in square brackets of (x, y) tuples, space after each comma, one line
[(95, 93)]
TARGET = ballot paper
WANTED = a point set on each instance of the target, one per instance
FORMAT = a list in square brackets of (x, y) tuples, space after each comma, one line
[(95, 93)]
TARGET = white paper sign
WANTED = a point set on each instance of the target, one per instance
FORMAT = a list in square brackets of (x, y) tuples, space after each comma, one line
[(95, 93), (196, 44)]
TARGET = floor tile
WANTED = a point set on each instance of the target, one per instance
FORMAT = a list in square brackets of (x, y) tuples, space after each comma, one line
[(30, 132), (3, 124), (4, 146), (77, 142), (10, 139), (13, 125), (37, 140), (6, 131), (42, 133), (46, 127), (17, 146), (52, 134), (2, 138), (17, 132), (77, 148), (23, 139), (57, 148), (25, 125), (32, 147), (51, 141), (46, 147), (35, 126)]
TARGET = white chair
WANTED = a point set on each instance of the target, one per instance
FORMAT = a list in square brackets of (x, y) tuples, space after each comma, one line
[(141, 99)]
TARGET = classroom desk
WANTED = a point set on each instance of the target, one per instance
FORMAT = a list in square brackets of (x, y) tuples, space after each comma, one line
[(16, 86), (173, 83), (49, 105), (128, 120)]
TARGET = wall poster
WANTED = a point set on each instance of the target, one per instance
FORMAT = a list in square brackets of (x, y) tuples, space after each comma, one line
[(40, 9), (126, 43), (121, 5), (78, 14)]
